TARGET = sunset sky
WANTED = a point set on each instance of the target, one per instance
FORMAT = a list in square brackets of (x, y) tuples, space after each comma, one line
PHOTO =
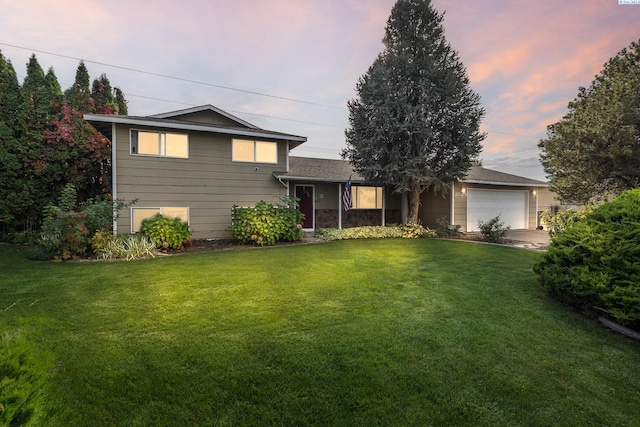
[(292, 65)]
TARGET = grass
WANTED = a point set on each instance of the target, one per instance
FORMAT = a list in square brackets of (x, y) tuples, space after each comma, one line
[(352, 333)]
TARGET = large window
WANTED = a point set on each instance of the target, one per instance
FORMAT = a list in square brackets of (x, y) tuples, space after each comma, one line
[(245, 150), (162, 144), (366, 197), (140, 214)]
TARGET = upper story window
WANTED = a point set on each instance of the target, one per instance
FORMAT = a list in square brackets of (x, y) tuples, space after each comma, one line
[(245, 150), (366, 197), (162, 144)]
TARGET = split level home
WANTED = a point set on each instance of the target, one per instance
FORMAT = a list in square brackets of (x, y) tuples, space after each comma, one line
[(197, 163)]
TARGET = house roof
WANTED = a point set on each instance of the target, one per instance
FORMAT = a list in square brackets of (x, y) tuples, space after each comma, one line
[(203, 109), (480, 175), (189, 119), (331, 170), (311, 169)]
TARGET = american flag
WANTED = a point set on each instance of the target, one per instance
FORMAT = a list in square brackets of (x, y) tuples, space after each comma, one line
[(346, 196)]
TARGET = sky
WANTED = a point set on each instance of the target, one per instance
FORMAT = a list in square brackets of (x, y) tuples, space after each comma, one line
[(291, 65)]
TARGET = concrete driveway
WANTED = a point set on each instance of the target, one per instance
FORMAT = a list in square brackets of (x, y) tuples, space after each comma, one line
[(529, 239)]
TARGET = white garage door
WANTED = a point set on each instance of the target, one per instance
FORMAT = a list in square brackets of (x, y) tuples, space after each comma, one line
[(511, 205)]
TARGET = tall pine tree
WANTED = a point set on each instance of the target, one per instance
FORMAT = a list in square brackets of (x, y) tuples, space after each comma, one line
[(415, 123)]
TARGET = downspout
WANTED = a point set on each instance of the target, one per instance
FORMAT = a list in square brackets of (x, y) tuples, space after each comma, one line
[(114, 188)]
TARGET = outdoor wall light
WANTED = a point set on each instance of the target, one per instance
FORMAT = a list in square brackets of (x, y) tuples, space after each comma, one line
[(464, 190), (534, 193)]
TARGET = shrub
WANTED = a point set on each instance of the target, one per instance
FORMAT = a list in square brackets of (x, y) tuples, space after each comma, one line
[(23, 375), (166, 232), (415, 231), (559, 221), (366, 232), (593, 263), (493, 230), (67, 232), (127, 247), (100, 240), (444, 229), (266, 224)]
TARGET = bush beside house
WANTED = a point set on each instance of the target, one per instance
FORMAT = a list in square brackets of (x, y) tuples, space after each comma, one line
[(266, 223)]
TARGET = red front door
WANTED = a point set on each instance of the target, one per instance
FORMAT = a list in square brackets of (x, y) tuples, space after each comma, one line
[(305, 194)]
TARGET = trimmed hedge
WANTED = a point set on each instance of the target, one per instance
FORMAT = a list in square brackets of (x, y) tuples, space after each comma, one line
[(594, 264)]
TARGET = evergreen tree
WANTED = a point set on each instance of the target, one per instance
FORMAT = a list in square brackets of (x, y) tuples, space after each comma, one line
[(416, 122), (592, 153), (102, 95), (121, 103), (79, 94), (10, 96), (12, 191)]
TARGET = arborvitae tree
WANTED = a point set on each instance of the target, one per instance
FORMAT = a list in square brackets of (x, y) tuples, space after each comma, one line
[(102, 94), (55, 92), (79, 95), (121, 103), (10, 96), (415, 124), (592, 153), (12, 191)]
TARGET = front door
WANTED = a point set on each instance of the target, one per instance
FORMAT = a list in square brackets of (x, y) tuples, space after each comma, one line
[(305, 194)]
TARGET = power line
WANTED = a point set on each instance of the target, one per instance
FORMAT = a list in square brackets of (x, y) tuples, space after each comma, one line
[(235, 111), (182, 79)]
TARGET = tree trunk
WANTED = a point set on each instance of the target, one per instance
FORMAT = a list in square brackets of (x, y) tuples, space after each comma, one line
[(414, 204), (404, 206)]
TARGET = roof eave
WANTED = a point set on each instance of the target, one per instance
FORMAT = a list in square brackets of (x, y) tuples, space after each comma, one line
[(296, 140), (316, 179), (506, 184)]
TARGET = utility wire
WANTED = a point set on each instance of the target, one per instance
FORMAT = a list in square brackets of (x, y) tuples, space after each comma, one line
[(150, 73)]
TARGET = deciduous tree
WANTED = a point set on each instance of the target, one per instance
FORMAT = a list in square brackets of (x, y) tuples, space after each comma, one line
[(415, 123)]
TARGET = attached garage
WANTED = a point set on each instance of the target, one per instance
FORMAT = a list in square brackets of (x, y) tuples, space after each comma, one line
[(511, 205)]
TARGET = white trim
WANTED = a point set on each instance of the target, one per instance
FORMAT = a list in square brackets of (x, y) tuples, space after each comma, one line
[(162, 140), (160, 209), (255, 151), (114, 175)]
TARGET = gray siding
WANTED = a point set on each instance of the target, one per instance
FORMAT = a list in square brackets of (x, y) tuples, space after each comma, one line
[(208, 182)]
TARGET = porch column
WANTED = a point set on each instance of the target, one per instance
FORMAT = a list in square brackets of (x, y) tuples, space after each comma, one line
[(339, 206), (384, 207)]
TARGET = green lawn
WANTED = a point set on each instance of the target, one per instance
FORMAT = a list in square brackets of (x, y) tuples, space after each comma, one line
[(350, 333)]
